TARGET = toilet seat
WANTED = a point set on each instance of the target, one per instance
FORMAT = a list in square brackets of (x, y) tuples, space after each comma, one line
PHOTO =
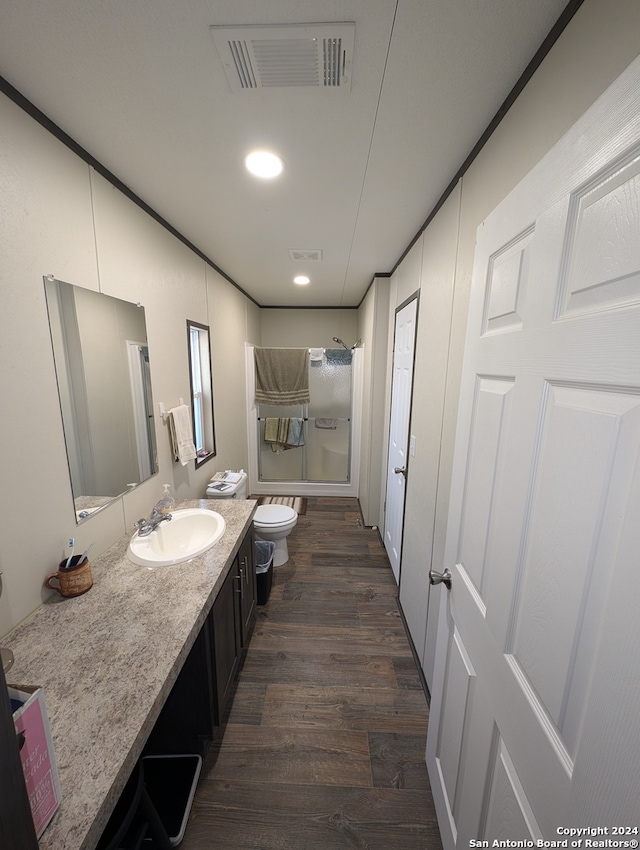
[(269, 516), (275, 523)]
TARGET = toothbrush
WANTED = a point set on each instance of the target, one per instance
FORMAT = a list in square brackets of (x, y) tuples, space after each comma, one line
[(72, 543), (85, 555)]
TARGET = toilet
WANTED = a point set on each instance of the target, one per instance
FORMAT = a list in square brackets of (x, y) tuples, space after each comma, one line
[(275, 523), (270, 522)]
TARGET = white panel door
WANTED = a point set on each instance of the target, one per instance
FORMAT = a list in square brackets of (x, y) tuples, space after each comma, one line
[(403, 348), (534, 721)]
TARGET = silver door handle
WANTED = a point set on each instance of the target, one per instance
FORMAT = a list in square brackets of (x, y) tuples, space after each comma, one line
[(401, 470), (441, 578)]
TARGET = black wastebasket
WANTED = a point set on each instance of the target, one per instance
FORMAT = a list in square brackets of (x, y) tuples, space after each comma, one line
[(155, 804), (263, 552)]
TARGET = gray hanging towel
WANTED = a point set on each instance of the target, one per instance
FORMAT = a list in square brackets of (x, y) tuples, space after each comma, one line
[(295, 437), (282, 375)]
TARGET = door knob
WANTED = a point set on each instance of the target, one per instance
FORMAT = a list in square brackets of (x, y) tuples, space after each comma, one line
[(401, 470), (441, 578)]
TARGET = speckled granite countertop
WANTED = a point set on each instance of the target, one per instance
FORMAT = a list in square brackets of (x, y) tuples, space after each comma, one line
[(107, 661)]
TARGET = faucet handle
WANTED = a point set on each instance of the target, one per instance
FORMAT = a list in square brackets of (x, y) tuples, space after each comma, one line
[(139, 523), (158, 515)]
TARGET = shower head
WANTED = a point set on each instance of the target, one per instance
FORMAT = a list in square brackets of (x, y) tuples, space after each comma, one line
[(343, 344)]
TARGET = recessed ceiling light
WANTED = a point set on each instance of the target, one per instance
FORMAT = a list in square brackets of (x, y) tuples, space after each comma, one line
[(263, 164), (301, 279)]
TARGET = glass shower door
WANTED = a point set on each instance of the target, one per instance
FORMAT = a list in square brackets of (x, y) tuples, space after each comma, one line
[(326, 427), (329, 426)]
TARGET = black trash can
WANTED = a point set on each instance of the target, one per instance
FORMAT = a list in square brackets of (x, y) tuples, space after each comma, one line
[(263, 552), (155, 804)]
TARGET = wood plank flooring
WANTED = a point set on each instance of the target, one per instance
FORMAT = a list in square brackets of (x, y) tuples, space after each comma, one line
[(323, 747)]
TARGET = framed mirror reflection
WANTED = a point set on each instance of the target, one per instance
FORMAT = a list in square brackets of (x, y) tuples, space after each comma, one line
[(103, 372)]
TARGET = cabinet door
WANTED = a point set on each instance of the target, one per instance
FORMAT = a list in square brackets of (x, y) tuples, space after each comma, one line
[(225, 629), (248, 597)]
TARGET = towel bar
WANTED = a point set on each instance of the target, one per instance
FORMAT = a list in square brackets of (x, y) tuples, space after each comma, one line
[(165, 413)]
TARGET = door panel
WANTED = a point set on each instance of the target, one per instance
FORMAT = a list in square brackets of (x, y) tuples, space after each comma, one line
[(459, 681), (602, 246), (508, 812), (491, 410), (572, 493), (530, 726), (404, 344)]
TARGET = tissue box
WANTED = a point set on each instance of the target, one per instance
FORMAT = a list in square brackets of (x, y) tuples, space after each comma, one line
[(36, 754)]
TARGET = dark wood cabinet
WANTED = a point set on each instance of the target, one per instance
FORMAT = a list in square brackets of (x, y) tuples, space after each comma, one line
[(202, 692), (248, 596), (225, 640), (232, 619)]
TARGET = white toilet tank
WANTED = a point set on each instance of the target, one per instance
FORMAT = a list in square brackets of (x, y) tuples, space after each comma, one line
[(220, 487)]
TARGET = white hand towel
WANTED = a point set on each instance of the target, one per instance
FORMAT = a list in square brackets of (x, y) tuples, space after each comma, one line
[(182, 443)]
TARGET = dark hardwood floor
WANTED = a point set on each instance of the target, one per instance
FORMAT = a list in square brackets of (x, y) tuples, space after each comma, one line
[(323, 747)]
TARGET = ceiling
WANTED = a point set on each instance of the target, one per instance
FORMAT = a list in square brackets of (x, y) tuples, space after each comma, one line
[(142, 88)]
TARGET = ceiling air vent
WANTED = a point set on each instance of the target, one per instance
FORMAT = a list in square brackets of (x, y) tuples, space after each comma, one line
[(307, 255), (288, 56)]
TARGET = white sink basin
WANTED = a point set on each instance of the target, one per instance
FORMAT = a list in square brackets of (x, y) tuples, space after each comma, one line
[(188, 533)]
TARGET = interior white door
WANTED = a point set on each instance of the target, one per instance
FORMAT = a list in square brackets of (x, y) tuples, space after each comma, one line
[(402, 382), (534, 718)]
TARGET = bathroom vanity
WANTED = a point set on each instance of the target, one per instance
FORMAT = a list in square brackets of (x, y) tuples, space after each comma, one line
[(121, 664)]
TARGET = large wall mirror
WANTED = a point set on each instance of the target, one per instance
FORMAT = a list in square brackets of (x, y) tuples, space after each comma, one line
[(104, 383)]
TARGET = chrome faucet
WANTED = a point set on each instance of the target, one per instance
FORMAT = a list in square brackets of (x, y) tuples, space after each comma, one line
[(146, 526)]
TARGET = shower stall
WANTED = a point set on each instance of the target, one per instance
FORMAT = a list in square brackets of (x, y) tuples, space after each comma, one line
[(327, 462)]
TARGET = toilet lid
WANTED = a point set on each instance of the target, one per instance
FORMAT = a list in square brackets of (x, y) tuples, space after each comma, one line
[(273, 514)]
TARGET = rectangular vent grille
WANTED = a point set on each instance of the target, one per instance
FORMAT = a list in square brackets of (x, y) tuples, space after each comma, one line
[(312, 56), (333, 63), (308, 255)]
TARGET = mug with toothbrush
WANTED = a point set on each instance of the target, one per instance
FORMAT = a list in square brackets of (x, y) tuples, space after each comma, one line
[(73, 577)]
